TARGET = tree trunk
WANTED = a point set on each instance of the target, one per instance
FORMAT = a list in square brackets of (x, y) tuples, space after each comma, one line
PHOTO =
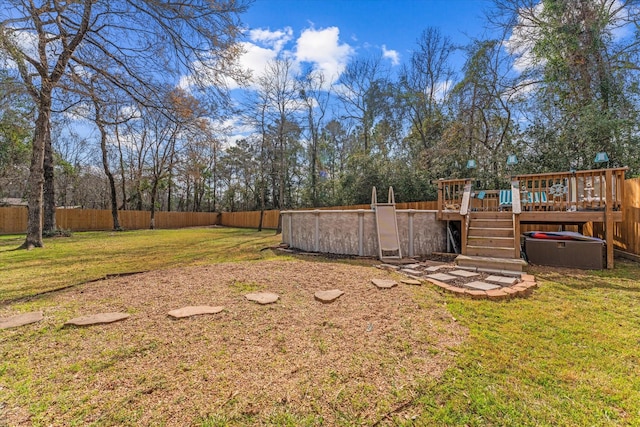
[(281, 189), (36, 174), (170, 183), (154, 190), (49, 191), (112, 183), (122, 172)]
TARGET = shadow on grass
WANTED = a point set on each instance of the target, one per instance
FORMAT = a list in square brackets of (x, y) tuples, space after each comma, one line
[(623, 278)]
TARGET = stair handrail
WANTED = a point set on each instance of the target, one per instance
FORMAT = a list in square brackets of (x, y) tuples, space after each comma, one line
[(374, 198), (516, 210), (466, 199), (516, 205), (464, 211)]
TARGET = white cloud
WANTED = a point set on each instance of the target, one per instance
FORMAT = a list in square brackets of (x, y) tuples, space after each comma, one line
[(25, 42), (234, 131), (523, 38), (443, 88), (622, 25), (274, 39), (255, 58), (323, 49), (130, 112), (264, 46), (391, 54)]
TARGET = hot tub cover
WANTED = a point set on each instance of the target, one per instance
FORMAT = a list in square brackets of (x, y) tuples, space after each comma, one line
[(561, 235)]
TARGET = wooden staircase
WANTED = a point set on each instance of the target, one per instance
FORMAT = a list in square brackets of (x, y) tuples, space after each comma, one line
[(491, 234)]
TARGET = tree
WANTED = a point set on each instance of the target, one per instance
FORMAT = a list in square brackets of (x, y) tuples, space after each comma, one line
[(424, 84), (483, 106), (582, 58), (142, 40), (315, 97), (278, 87), (15, 135), (364, 95), (423, 87)]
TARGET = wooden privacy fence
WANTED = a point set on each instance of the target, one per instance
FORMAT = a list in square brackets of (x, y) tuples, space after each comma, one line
[(13, 220), (627, 233), (251, 219)]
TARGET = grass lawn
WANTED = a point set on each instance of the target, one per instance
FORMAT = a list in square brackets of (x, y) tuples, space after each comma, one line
[(93, 255), (569, 355)]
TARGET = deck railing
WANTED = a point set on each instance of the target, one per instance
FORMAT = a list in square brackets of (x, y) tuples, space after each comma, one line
[(590, 190), (450, 192)]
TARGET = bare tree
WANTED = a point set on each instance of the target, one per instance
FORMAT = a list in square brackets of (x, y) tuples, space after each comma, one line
[(277, 86), (424, 84), (139, 39), (315, 96), (483, 104), (362, 92)]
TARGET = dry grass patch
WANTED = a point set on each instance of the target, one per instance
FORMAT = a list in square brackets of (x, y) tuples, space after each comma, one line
[(294, 362)]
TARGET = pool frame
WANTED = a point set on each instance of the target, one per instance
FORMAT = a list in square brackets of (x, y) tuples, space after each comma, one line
[(353, 232)]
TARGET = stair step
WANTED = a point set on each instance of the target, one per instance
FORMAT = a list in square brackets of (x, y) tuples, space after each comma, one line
[(490, 223), (490, 263), (485, 251), (490, 232), (490, 241), (491, 215)]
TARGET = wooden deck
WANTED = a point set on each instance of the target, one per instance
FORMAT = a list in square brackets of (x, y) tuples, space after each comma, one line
[(563, 198)]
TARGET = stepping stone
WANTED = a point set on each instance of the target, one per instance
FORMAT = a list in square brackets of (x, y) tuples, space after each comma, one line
[(434, 268), (384, 283), (464, 273), (442, 277), (411, 282), (194, 310), (412, 266), (20, 319), (481, 286), (503, 280), (389, 267), (262, 297), (97, 319), (411, 271), (328, 296)]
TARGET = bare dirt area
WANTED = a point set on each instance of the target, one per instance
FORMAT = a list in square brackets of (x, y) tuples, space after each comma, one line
[(359, 360)]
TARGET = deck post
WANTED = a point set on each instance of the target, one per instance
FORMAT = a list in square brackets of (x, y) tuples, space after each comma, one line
[(463, 235), (609, 223), (440, 198), (516, 235)]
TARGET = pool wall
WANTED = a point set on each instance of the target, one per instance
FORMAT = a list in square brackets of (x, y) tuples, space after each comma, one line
[(353, 232)]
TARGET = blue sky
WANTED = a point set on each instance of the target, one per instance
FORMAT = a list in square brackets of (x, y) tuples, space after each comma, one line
[(329, 32)]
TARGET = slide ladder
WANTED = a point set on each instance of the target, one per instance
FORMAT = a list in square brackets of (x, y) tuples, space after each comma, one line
[(386, 226)]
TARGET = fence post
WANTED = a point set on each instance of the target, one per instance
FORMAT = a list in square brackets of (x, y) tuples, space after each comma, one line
[(360, 232), (317, 231), (411, 247)]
